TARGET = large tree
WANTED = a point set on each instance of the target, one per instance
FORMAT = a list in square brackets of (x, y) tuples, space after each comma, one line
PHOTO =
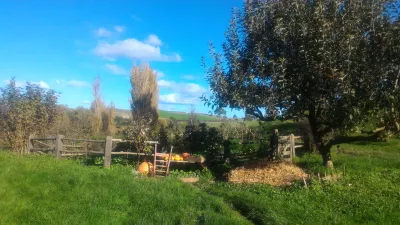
[(26, 111), (304, 59)]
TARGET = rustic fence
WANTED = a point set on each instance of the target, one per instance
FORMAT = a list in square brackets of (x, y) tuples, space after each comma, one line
[(285, 146), (63, 147)]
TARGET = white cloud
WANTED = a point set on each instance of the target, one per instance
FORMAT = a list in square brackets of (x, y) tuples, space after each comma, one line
[(78, 83), (134, 49), (182, 93), (73, 83), (42, 84), (159, 73), (152, 39), (164, 83), (115, 69), (189, 77), (85, 102), (103, 32), (119, 29)]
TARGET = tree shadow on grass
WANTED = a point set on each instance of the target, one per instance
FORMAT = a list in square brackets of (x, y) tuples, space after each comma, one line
[(357, 140)]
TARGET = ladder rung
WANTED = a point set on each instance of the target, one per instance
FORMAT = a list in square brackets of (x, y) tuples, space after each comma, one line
[(160, 160), (161, 171), (161, 166)]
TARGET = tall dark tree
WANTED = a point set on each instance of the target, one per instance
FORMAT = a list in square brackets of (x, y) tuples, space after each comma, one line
[(304, 59)]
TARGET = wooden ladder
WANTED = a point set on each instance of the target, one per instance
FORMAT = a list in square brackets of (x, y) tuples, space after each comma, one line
[(161, 166)]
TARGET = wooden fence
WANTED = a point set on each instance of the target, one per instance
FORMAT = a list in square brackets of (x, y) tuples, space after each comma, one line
[(59, 146), (285, 146)]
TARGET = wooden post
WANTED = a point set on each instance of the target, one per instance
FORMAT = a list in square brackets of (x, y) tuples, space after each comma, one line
[(274, 143), (30, 143), (155, 159), (58, 147), (107, 152), (85, 147), (292, 149)]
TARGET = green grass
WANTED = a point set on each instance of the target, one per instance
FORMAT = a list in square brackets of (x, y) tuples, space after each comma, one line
[(185, 116), (41, 190), (368, 194), (168, 114)]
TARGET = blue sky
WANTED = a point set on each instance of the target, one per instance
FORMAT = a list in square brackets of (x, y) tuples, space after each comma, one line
[(64, 45)]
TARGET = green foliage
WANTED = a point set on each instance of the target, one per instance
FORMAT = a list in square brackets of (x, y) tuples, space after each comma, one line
[(42, 190), (332, 62), (203, 139), (26, 112)]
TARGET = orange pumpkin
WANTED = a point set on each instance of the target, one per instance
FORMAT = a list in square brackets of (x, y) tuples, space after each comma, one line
[(144, 167), (184, 155)]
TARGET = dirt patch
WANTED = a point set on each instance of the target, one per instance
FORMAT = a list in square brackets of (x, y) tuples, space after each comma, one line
[(266, 172)]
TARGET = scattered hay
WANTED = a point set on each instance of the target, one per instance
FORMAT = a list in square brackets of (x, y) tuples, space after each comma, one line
[(266, 172)]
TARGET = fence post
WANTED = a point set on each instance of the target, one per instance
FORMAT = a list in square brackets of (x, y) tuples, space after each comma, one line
[(292, 149), (30, 143), (58, 148), (107, 152)]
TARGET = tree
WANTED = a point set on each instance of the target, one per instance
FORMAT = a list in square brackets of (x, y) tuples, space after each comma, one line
[(144, 105), (304, 59), (103, 120), (25, 112), (144, 93), (97, 106)]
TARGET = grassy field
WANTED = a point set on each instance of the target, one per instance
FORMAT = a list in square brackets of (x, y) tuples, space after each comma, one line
[(41, 190), (168, 114), (369, 193)]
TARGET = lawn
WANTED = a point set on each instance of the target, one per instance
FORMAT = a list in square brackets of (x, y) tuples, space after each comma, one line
[(368, 194), (41, 190)]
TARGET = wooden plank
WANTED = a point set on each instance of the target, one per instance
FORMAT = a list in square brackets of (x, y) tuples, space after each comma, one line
[(44, 139), (297, 137), (151, 142), (91, 152), (42, 149), (130, 153), (107, 153), (72, 146), (75, 139), (298, 146), (48, 145), (71, 154)]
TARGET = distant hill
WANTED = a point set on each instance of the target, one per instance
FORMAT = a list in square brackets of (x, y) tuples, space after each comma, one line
[(168, 114)]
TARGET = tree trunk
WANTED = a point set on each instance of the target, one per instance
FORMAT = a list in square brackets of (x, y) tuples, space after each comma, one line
[(323, 149)]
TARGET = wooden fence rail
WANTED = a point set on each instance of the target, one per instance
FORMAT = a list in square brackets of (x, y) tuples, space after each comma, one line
[(60, 149)]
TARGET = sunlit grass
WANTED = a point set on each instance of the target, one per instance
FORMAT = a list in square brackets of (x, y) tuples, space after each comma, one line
[(42, 190)]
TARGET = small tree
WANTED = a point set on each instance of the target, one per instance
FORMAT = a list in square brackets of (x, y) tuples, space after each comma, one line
[(25, 113), (98, 106), (103, 119)]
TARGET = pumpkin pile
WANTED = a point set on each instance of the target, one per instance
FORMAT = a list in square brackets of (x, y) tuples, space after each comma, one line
[(178, 157)]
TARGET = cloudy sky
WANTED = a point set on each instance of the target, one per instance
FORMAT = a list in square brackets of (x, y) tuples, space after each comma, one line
[(64, 45)]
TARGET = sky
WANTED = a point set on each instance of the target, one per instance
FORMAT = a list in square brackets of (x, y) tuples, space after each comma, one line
[(64, 45)]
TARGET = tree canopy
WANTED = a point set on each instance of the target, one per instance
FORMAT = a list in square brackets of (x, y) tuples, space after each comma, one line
[(331, 62)]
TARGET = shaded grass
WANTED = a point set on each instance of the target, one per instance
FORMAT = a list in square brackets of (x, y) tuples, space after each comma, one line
[(42, 190), (368, 194)]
